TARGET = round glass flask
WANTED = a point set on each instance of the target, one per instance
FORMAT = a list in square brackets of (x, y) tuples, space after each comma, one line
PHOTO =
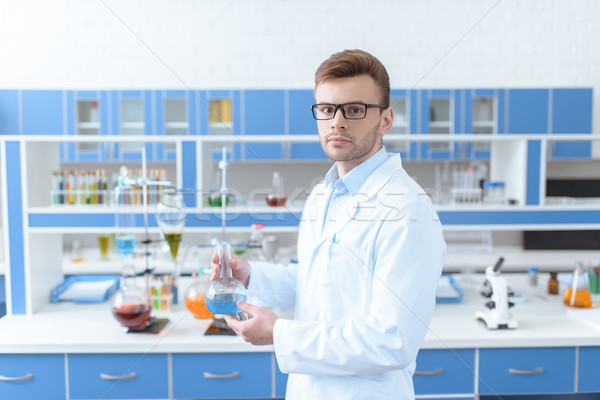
[(131, 306), (224, 292), (194, 297)]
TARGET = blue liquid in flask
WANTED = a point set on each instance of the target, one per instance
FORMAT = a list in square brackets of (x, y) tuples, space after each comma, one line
[(225, 303)]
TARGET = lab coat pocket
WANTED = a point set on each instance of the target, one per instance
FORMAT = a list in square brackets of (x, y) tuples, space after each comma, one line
[(345, 280)]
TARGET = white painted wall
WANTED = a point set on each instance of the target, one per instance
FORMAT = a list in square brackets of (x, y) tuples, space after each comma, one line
[(279, 43)]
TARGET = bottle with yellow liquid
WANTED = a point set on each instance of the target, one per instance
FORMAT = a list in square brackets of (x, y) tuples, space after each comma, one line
[(578, 295)]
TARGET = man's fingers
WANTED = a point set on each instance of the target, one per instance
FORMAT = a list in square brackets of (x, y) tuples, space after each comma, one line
[(247, 307)]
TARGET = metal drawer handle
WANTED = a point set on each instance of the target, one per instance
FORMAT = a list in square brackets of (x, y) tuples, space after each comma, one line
[(525, 371), (16, 378), (118, 377), (434, 372), (208, 375)]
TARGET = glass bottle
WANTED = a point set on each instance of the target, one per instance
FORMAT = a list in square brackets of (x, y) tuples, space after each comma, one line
[(553, 283), (578, 295), (131, 306), (195, 296), (255, 250), (224, 292)]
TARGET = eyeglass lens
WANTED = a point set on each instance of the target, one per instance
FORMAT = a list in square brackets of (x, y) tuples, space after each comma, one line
[(350, 111)]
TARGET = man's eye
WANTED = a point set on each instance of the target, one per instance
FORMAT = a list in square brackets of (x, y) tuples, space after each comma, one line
[(327, 110)]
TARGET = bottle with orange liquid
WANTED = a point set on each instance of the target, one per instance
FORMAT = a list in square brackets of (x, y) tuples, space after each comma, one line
[(194, 296), (578, 295)]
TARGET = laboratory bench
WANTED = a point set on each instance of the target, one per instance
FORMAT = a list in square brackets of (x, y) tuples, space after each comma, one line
[(79, 351)]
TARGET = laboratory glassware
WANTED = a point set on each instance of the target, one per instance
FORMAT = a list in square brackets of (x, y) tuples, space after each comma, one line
[(578, 295), (131, 306), (124, 220), (255, 250), (276, 197), (224, 292), (170, 215), (195, 296)]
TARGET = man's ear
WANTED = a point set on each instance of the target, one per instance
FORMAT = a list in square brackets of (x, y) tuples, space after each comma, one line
[(387, 117)]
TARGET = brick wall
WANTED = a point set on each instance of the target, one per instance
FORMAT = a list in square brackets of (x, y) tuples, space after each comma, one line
[(278, 43)]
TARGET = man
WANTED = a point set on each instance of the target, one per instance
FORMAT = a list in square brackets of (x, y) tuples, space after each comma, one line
[(370, 252)]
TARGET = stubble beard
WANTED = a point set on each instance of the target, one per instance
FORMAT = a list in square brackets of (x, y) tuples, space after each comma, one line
[(361, 146)]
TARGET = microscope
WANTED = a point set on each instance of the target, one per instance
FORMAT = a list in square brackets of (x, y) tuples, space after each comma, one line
[(497, 314)]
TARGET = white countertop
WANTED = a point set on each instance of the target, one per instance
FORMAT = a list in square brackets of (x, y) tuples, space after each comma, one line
[(90, 328)]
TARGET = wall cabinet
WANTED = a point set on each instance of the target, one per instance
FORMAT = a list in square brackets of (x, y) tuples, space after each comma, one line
[(287, 112)]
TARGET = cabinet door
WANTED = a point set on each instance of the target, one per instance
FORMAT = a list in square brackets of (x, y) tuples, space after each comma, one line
[(9, 110), (528, 110), (532, 370), (445, 371), (32, 376), (264, 114), (118, 376), (133, 113), (280, 380), (302, 123), (42, 112), (588, 369), (571, 113), (222, 375), (443, 115)]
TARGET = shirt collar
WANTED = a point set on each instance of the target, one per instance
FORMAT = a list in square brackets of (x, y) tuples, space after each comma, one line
[(359, 174)]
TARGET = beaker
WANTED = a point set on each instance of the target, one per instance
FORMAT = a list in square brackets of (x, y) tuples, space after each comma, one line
[(131, 306), (578, 295), (224, 292)]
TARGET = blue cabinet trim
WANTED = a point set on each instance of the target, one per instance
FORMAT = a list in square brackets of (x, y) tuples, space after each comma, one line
[(9, 112), (14, 199), (534, 159), (188, 162)]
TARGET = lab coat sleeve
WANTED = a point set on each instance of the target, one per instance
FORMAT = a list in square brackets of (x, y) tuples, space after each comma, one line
[(407, 261), (272, 285)]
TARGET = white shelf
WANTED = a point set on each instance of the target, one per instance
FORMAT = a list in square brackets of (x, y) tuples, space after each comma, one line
[(440, 124), (484, 124), (89, 125), (132, 125), (177, 125)]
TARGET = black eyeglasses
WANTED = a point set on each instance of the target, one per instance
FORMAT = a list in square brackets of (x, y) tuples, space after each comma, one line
[(349, 110)]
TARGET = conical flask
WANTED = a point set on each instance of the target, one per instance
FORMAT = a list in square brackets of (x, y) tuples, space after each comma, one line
[(578, 295), (224, 292)]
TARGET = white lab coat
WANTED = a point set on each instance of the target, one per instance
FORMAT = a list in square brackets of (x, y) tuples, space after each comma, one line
[(363, 291)]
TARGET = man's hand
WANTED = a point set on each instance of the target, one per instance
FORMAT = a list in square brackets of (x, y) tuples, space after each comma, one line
[(240, 269), (256, 330)]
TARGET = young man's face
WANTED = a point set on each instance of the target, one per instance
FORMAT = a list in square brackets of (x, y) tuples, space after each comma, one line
[(351, 141)]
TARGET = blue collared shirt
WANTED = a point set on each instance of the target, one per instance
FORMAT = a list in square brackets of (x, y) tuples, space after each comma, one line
[(340, 189)]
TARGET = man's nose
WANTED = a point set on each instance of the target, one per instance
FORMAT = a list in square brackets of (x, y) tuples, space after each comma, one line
[(338, 121)]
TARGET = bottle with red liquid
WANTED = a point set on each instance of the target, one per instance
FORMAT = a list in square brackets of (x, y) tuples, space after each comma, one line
[(131, 306)]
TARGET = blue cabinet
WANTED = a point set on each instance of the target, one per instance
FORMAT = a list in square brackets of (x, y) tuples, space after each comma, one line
[(118, 376), (32, 376), (571, 113), (528, 110), (280, 380), (42, 112), (588, 369), (301, 122), (444, 372), (9, 112), (264, 114), (221, 375), (527, 370)]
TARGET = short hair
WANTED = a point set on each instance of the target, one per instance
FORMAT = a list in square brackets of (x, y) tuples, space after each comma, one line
[(349, 63)]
